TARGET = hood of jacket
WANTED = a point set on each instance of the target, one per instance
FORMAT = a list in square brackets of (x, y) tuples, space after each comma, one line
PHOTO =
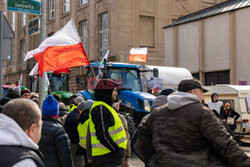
[(12, 134), (179, 99)]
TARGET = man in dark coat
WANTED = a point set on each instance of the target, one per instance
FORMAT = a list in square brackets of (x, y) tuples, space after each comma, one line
[(54, 143), (70, 126), (186, 133)]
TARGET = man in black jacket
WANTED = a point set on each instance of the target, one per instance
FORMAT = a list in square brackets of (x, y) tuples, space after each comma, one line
[(20, 131), (54, 143), (70, 126), (103, 118)]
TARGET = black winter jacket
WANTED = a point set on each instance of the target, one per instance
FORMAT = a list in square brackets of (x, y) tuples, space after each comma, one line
[(55, 144), (70, 126)]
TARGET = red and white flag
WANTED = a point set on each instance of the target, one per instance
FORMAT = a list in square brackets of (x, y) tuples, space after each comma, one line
[(62, 50), (138, 55)]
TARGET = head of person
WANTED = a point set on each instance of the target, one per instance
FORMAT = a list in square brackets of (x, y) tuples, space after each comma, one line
[(25, 93), (214, 97), (62, 106), (27, 115), (50, 107), (81, 106), (72, 99), (78, 100), (106, 91), (227, 106), (14, 92), (167, 91), (57, 98), (192, 86), (89, 104)]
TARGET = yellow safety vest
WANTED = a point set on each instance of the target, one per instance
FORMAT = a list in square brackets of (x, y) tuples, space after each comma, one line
[(116, 132), (82, 131), (72, 107)]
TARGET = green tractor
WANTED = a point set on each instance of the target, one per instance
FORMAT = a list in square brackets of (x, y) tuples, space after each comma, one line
[(58, 85)]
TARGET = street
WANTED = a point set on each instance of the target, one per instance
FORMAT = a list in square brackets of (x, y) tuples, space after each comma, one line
[(136, 162)]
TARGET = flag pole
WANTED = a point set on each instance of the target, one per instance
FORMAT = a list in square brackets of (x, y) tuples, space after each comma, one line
[(42, 92)]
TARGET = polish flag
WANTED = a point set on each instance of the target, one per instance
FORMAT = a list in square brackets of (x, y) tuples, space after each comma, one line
[(138, 55), (62, 50)]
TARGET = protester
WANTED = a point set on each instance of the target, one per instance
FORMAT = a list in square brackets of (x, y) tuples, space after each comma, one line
[(70, 126), (108, 137), (230, 113), (25, 93), (186, 133), (54, 143), (3, 102), (126, 162), (215, 104), (13, 92), (83, 128), (20, 131), (62, 109), (72, 103), (162, 99)]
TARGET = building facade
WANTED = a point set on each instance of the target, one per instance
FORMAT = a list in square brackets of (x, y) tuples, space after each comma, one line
[(212, 43), (115, 25)]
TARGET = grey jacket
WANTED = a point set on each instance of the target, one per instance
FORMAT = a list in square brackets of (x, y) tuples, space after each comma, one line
[(186, 133)]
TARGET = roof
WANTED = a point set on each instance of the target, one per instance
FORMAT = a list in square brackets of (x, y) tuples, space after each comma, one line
[(224, 7), (118, 65), (242, 91)]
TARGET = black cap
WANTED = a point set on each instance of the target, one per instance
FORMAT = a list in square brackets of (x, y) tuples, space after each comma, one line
[(189, 84)]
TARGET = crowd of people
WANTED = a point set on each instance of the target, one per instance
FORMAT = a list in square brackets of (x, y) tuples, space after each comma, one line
[(179, 131)]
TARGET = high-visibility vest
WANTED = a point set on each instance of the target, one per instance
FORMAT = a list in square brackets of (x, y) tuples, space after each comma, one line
[(72, 107), (82, 131), (116, 132)]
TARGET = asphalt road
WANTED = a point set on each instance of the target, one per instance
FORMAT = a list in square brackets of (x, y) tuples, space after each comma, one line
[(136, 162)]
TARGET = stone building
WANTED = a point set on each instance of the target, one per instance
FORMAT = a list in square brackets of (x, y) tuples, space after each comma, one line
[(212, 43), (117, 25)]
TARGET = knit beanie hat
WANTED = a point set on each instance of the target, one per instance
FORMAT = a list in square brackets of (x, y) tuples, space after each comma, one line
[(79, 100), (24, 90), (50, 106), (81, 106), (88, 104)]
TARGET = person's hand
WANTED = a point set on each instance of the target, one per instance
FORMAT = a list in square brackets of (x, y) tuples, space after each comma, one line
[(89, 161), (126, 162)]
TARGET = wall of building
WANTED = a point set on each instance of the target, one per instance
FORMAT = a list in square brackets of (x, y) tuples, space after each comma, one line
[(242, 45), (217, 44), (188, 50)]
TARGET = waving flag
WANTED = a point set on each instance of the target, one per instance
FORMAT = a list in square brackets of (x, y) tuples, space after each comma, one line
[(101, 66), (138, 55), (62, 50)]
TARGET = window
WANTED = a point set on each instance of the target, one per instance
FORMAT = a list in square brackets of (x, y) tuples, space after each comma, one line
[(84, 34), (23, 18), (66, 6), (13, 19), (22, 50), (83, 2), (219, 77), (51, 9), (103, 34)]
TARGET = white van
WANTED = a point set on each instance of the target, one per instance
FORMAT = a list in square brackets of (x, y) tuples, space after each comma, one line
[(239, 98)]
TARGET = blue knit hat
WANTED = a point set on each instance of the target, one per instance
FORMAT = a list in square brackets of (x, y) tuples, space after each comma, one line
[(50, 106)]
